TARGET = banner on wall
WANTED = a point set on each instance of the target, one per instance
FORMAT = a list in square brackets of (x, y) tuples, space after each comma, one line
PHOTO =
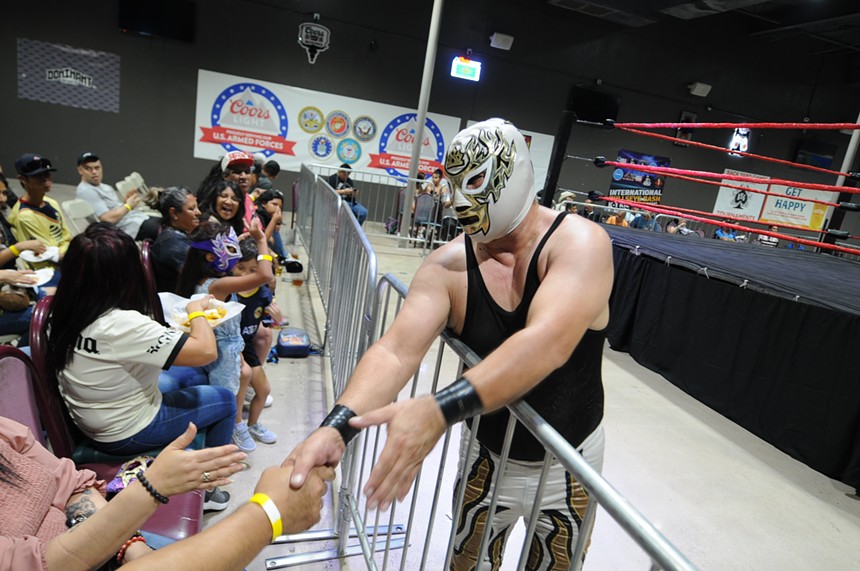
[(737, 202), (66, 75), (787, 209), (630, 184), (293, 126)]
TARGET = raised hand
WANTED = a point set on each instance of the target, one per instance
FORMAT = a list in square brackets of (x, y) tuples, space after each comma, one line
[(176, 470)]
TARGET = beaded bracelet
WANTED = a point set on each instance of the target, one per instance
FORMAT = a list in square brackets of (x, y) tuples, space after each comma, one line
[(152, 491), (120, 555)]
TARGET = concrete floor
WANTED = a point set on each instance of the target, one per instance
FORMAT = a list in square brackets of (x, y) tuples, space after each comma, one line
[(725, 498)]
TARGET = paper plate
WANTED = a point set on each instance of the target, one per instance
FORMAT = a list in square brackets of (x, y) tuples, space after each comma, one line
[(173, 307), (50, 253), (43, 276)]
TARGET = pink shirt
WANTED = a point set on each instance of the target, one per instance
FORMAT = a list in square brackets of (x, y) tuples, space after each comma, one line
[(34, 511)]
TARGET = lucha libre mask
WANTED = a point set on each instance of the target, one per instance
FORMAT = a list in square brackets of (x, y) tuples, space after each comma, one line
[(225, 246), (494, 206)]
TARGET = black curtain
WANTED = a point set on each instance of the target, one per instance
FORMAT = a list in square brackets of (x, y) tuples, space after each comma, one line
[(784, 370)]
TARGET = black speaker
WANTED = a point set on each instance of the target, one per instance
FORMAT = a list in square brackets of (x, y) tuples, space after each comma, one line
[(592, 105), (172, 19)]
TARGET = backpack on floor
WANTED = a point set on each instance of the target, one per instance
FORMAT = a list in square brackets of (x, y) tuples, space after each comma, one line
[(293, 342)]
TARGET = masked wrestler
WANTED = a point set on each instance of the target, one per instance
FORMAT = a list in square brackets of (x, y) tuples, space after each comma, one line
[(497, 286)]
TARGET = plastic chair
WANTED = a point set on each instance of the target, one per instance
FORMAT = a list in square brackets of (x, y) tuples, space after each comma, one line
[(425, 217), (17, 396), (149, 276), (79, 214)]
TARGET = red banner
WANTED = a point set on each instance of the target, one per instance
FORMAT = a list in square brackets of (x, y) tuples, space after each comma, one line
[(389, 161), (242, 138)]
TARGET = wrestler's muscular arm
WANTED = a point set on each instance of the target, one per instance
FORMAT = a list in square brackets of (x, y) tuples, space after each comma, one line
[(578, 260), (387, 366)]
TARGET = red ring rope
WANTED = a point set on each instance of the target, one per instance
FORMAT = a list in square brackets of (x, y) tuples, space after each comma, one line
[(705, 174), (661, 210), (729, 151), (819, 126)]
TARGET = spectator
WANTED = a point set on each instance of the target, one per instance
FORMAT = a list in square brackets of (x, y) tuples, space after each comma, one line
[(617, 219), (75, 499), (270, 204), (269, 173), (107, 353), (10, 247), (106, 204), (213, 254), (238, 167), (226, 204), (725, 233), (37, 217), (769, 241), (179, 216), (345, 187), (256, 301), (589, 212), (643, 221)]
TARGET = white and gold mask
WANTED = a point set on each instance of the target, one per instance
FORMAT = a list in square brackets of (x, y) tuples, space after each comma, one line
[(491, 172)]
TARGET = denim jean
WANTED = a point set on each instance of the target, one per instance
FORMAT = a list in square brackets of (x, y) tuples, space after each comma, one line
[(360, 212), (278, 246), (12, 322), (212, 408), (179, 377)]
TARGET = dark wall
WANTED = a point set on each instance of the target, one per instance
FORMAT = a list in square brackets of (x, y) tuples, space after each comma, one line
[(759, 80)]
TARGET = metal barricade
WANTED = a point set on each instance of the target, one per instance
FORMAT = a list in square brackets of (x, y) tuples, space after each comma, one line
[(358, 314), (384, 195)]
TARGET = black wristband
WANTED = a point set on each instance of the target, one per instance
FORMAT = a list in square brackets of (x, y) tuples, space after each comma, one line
[(338, 419), (459, 401), (152, 491)]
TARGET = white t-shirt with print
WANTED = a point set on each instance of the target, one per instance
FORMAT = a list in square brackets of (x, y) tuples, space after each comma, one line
[(111, 385)]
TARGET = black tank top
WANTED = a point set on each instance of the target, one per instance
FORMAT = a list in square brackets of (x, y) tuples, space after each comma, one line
[(570, 398)]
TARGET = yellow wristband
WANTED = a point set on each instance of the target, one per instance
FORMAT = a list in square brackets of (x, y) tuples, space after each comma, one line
[(262, 257), (128, 206), (14, 250), (272, 513), (195, 314)]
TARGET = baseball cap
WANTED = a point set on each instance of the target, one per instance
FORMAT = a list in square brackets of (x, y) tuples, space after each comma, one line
[(30, 164), (236, 158), (87, 157)]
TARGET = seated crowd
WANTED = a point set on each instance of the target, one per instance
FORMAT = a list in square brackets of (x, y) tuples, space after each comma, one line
[(133, 385)]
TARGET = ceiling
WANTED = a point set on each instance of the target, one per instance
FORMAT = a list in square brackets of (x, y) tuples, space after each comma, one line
[(832, 25)]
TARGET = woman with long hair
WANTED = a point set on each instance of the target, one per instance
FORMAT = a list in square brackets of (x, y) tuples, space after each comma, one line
[(226, 204), (107, 353)]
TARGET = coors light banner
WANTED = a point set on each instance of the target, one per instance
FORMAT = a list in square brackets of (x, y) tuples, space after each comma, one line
[(295, 126)]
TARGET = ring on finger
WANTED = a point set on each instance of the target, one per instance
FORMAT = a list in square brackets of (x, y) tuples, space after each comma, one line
[(206, 477)]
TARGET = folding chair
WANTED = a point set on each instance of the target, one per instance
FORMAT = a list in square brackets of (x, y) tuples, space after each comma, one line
[(79, 214), (425, 217), (17, 396)]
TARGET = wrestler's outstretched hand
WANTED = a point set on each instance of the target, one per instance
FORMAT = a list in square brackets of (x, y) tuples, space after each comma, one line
[(414, 427), (324, 447)]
